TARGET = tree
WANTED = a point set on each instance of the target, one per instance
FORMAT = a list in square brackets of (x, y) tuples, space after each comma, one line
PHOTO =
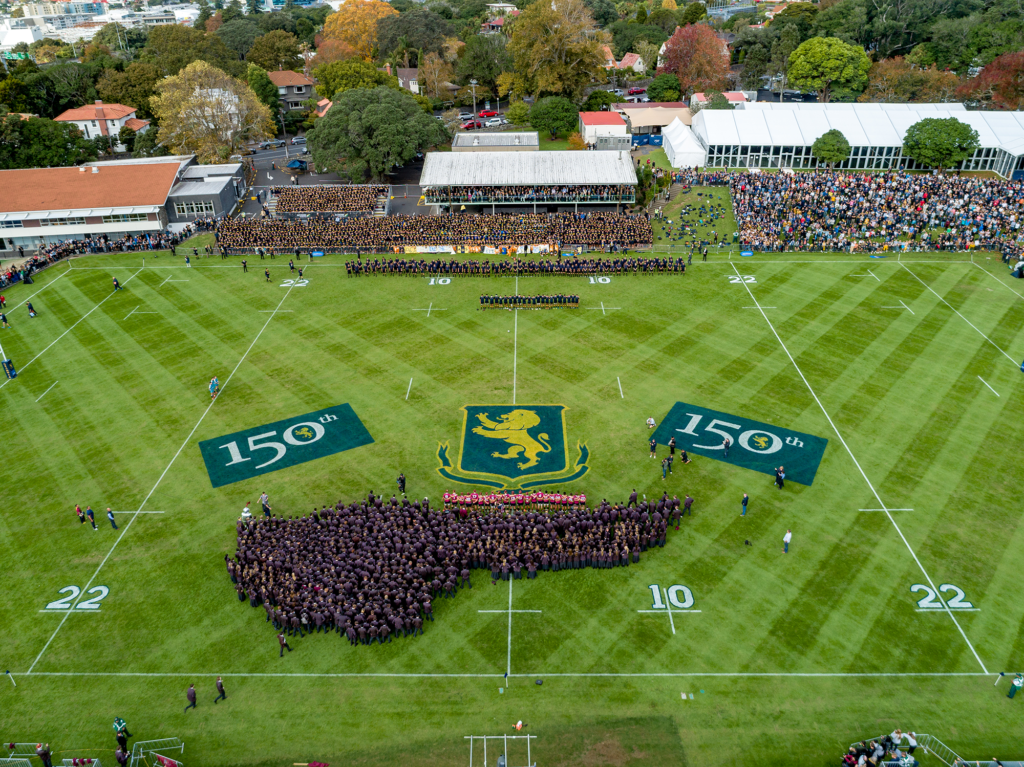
[(215, 22), (824, 63), (715, 100), (604, 12), (233, 10), (368, 132), (172, 47), (13, 94), (422, 29), (146, 145), (804, 13), (239, 35), (847, 20), (664, 18), (755, 67), (664, 88), (126, 137), (264, 88), (648, 52), (346, 75), (330, 51), (450, 120), (576, 141), (132, 87), (60, 87), (556, 47), (253, 7), (40, 143), (483, 59), (897, 81), (694, 55), (275, 51), (206, 112), (356, 24), (831, 147), (669, 5), (518, 113), (18, 13), (625, 34), (1000, 85), (555, 115), (939, 143), (117, 37), (599, 100), (96, 53), (693, 13), (434, 76), (276, 20)]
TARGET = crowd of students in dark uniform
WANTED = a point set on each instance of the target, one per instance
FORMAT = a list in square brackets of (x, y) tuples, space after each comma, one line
[(558, 301), (572, 266), (327, 199), (388, 234), (372, 569), (860, 212)]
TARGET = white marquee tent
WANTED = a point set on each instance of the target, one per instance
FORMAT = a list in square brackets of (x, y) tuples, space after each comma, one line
[(681, 146)]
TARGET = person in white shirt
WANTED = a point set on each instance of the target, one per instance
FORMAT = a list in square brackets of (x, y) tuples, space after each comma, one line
[(785, 541), (650, 423), (912, 742)]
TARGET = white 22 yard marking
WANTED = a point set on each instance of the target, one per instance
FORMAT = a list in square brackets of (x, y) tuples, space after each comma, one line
[(931, 600), (739, 279), (294, 283), (65, 603)]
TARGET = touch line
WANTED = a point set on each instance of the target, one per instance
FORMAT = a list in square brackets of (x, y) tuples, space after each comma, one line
[(996, 279), (979, 378), (508, 665), (69, 329), (145, 500), (856, 463), (943, 300)]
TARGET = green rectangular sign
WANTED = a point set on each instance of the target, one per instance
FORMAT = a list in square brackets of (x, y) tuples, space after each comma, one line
[(754, 445), (250, 453)]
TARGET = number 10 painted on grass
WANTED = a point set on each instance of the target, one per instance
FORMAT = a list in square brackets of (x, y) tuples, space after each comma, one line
[(679, 597)]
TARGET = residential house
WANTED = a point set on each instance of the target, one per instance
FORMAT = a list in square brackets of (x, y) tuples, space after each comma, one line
[(292, 88), (101, 119), (733, 97), (629, 61), (496, 15), (322, 106), (408, 78)]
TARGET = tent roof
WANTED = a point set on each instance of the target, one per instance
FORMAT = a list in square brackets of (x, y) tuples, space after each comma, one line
[(525, 168)]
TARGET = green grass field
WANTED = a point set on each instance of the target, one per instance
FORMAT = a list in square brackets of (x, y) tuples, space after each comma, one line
[(789, 658)]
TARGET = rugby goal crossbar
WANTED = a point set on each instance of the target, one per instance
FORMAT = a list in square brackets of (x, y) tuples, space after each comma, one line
[(502, 759), (144, 751), (928, 744)]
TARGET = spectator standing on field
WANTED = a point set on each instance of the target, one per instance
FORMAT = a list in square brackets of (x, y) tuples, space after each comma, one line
[(654, 446), (780, 477), (191, 695), (1015, 685), (110, 516), (744, 502), (785, 541), (283, 641), (92, 517), (220, 690)]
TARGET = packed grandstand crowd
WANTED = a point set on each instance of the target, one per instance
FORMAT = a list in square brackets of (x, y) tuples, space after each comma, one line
[(506, 194), (371, 569), (327, 199), (385, 234), (869, 212), (578, 267)]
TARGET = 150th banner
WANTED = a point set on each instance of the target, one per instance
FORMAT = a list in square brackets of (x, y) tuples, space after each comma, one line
[(755, 445), (263, 449)]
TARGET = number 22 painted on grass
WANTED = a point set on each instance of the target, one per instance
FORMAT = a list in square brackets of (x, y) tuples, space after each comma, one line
[(294, 283), (310, 431), (928, 602), (93, 603)]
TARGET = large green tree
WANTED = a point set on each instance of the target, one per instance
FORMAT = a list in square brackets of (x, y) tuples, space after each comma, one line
[(824, 64), (133, 87), (60, 87), (263, 87), (275, 51), (239, 35), (173, 47), (693, 13), (939, 142), (421, 29), (345, 75), (118, 37), (625, 34), (40, 143), (483, 59), (664, 88), (830, 147), (603, 11), (554, 115), (598, 100), (367, 132)]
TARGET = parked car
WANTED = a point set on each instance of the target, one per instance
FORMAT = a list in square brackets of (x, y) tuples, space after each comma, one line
[(472, 125), (272, 144), (494, 122), (488, 113), (636, 91), (465, 115), (619, 92), (299, 140)]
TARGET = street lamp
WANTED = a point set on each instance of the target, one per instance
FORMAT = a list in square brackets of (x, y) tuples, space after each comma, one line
[(473, 84)]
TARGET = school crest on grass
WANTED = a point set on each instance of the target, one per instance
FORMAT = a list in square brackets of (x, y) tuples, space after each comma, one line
[(513, 447)]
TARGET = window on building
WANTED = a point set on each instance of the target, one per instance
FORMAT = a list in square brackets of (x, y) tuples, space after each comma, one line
[(10, 224), (194, 207), (61, 221), (300, 89), (123, 217)]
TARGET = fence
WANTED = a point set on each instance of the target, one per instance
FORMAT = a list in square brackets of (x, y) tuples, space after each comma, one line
[(928, 744), (145, 748), (20, 752)]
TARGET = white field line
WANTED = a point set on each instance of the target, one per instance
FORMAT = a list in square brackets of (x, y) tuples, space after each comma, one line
[(979, 378), (55, 383), (856, 463), (408, 390), (603, 312), (943, 300), (505, 612), (873, 274), (668, 606), (668, 674), (884, 509), (145, 500), (68, 330), (997, 279), (515, 348), (132, 311), (44, 287), (621, 395), (508, 663), (907, 307)]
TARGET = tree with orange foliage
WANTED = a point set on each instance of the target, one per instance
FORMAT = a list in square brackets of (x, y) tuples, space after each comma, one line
[(897, 81), (576, 141), (215, 22), (330, 51), (695, 55), (1000, 84), (356, 24)]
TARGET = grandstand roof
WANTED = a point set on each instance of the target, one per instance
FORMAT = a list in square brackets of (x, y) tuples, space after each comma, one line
[(862, 124), (524, 168), (464, 138)]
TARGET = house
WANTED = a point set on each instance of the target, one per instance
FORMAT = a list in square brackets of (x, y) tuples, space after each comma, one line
[(322, 106), (496, 14), (775, 10), (733, 97), (101, 119), (292, 87), (494, 10), (408, 78), (629, 61), (603, 125)]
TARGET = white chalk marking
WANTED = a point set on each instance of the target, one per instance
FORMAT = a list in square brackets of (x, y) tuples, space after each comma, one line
[(46, 392), (132, 312), (408, 390), (907, 308), (989, 387), (872, 274), (623, 396)]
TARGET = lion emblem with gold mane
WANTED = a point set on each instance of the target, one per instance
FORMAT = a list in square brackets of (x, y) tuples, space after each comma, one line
[(514, 428)]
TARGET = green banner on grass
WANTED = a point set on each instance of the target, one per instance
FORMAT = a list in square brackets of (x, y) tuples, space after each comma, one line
[(263, 449), (754, 445)]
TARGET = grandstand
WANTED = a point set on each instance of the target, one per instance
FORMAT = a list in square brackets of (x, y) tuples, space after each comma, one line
[(329, 201), (534, 182)]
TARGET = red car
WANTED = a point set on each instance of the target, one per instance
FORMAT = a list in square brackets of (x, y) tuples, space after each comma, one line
[(472, 124), (636, 91), (488, 113)]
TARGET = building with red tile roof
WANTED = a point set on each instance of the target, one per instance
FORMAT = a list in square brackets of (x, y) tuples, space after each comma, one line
[(292, 87), (99, 119)]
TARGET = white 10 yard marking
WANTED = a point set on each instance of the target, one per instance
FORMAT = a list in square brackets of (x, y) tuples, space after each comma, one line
[(673, 600), (289, 436), (440, 281), (929, 603), (294, 283), (739, 279), (600, 280), (72, 592)]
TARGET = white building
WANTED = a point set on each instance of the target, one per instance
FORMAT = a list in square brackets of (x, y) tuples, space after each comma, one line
[(774, 135), (594, 125), (101, 119), (681, 147)]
